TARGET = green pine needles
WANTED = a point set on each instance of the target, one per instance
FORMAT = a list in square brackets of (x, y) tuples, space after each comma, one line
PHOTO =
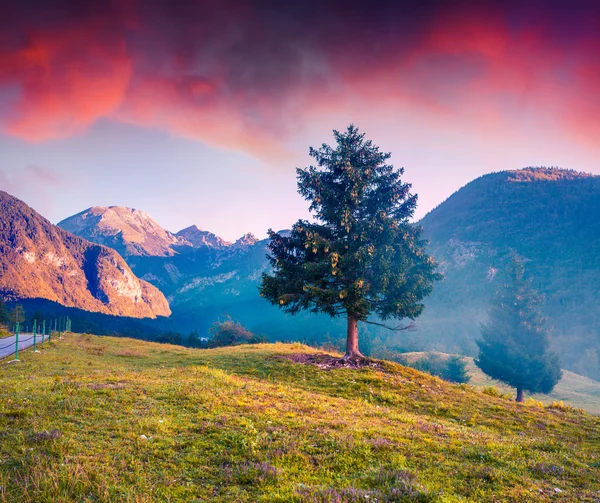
[(515, 344), (361, 256)]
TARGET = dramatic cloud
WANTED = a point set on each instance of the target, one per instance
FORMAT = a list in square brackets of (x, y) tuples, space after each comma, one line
[(249, 75), (68, 72)]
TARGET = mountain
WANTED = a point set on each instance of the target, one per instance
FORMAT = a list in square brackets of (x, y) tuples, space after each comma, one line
[(41, 261), (547, 216), (133, 233), (246, 241), (165, 259), (199, 238), (126, 230), (203, 276)]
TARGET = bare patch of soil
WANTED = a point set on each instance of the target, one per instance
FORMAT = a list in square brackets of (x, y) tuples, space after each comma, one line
[(44, 436), (115, 385), (328, 362)]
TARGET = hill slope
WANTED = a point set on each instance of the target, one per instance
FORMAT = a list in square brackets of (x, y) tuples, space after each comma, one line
[(102, 419), (573, 389), (548, 217), (41, 261)]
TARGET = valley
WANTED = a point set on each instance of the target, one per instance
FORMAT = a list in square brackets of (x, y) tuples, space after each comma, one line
[(547, 216), (299, 252)]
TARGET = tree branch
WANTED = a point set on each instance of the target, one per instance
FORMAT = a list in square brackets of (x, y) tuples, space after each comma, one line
[(400, 328)]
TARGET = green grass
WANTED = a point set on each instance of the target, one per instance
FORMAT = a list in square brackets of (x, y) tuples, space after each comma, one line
[(573, 389), (245, 425)]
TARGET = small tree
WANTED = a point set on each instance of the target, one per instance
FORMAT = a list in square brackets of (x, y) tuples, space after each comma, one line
[(231, 333), (452, 368), (363, 256), (194, 340), (515, 345), (3, 314), (456, 370), (17, 315)]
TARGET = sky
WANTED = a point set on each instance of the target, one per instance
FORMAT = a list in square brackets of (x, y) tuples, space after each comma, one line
[(200, 112)]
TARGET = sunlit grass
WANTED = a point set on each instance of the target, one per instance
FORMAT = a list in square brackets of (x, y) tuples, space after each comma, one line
[(116, 420)]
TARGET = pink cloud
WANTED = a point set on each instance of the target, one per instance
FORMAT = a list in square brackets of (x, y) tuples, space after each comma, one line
[(249, 79)]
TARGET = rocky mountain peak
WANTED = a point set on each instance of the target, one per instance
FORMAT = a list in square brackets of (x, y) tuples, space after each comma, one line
[(41, 261), (246, 241), (199, 238), (127, 230)]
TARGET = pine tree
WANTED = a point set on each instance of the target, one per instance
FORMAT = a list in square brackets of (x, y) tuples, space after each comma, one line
[(3, 314), (17, 315), (194, 340), (362, 256), (515, 345), (456, 370)]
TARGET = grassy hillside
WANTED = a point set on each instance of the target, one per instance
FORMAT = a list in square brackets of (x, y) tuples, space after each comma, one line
[(115, 420), (573, 389)]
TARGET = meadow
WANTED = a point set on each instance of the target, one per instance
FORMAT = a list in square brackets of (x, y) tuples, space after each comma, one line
[(100, 419), (573, 389)]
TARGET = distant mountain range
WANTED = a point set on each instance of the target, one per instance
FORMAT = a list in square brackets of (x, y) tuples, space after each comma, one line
[(41, 261), (547, 216), (134, 233), (203, 276)]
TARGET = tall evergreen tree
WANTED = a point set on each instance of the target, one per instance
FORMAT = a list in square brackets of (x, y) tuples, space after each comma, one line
[(362, 256), (515, 344)]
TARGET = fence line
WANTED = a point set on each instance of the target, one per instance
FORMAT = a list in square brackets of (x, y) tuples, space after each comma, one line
[(61, 326)]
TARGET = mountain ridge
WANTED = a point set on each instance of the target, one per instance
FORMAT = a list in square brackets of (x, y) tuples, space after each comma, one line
[(41, 260), (134, 233), (198, 237), (127, 230), (546, 216)]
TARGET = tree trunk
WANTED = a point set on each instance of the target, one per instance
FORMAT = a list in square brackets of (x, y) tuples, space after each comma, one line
[(352, 352), (519, 395)]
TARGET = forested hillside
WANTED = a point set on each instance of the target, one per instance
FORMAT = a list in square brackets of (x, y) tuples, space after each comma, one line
[(547, 216)]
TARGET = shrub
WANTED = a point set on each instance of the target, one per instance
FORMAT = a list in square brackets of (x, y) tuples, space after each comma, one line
[(231, 333), (565, 408), (493, 391), (535, 403), (453, 369), (169, 338)]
